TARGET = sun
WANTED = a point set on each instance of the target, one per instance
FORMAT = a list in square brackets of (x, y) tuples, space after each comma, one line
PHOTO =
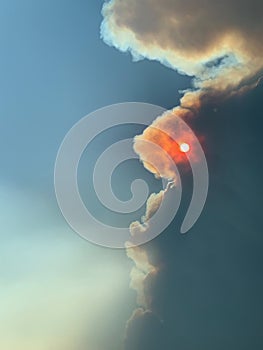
[(184, 147)]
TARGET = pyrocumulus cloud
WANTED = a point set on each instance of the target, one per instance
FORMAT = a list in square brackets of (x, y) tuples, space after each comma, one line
[(219, 44)]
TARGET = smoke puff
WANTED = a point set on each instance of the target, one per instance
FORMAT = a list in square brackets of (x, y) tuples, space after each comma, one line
[(168, 133), (139, 273), (220, 43)]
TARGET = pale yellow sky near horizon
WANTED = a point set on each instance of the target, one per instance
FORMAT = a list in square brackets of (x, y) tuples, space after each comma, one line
[(58, 292)]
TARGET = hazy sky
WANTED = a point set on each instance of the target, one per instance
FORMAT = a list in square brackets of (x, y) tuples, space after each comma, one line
[(59, 292)]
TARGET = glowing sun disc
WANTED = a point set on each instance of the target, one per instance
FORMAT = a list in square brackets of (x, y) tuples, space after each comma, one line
[(184, 147)]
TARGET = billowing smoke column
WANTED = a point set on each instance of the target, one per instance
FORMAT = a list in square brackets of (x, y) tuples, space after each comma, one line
[(218, 43), (142, 276)]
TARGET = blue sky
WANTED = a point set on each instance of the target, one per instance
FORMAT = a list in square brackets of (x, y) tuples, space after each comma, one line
[(55, 70)]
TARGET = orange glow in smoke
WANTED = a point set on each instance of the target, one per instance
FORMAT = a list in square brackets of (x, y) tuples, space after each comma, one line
[(176, 150), (182, 147)]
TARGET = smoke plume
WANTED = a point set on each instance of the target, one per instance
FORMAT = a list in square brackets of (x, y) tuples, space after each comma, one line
[(219, 44)]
